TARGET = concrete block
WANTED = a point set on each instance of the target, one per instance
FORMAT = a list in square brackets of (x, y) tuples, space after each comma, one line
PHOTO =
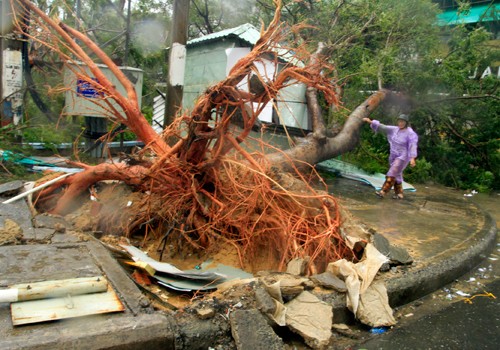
[(252, 332), (11, 189)]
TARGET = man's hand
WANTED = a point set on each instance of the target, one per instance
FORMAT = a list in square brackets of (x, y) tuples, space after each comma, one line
[(367, 120), (412, 162)]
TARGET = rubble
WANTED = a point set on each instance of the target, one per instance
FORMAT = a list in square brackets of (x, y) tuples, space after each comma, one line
[(311, 318), (251, 331), (11, 188), (396, 255), (298, 266), (329, 281), (269, 301)]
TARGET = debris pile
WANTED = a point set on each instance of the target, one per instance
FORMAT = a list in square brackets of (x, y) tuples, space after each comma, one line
[(265, 301)]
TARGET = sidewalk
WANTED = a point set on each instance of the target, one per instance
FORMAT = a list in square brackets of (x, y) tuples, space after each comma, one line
[(445, 233)]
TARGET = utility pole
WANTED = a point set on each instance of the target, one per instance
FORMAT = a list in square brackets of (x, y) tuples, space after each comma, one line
[(11, 68), (127, 35), (2, 33), (177, 60)]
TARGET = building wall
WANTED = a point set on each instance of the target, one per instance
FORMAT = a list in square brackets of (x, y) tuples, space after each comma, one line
[(205, 66), (209, 63)]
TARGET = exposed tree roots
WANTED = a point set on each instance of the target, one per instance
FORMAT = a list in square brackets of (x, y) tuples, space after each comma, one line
[(208, 187)]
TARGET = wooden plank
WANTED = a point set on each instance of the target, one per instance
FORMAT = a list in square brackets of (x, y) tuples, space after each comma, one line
[(34, 311)]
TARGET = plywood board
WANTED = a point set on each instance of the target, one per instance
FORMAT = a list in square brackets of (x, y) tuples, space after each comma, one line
[(35, 311)]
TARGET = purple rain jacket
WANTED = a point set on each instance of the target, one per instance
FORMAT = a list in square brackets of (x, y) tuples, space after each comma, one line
[(403, 147)]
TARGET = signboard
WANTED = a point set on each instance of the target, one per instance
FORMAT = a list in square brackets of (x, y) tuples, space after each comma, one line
[(84, 98), (86, 89), (12, 84)]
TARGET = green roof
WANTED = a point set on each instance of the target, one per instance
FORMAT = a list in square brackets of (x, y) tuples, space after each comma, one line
[(479, 13)]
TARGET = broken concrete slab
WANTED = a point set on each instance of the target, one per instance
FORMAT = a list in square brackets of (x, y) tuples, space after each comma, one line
[(10, 189), (135, 328), (298, 266), (396, 255), (19, 212), (290, 285), (68, 237), (311, 318), (51, 221), (265, 302), (329, 281), (251, 331), (42, 234)]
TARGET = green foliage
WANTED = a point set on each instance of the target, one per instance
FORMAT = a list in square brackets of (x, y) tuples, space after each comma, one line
[(421, 173), (393, 43), (50, 135)]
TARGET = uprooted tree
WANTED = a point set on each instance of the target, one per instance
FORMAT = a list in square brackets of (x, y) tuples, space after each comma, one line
[(207, 184)]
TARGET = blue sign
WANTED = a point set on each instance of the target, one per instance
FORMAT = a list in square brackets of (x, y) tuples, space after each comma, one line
[(86, 89)]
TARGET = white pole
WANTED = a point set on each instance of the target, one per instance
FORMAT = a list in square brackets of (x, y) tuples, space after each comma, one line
[(24, 194)]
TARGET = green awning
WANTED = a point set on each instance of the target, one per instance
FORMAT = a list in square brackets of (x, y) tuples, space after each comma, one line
[(479, 13)]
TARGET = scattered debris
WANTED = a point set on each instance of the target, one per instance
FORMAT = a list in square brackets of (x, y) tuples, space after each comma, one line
[(329, 281), (168, 275), (250, 330), (396, 255), (311, 318), (205, 313), (35, 311), (358, 277), (471, 194), (54, 289), (378, 330), (26, 193), (54, 300), (485, 294), (298, 266)]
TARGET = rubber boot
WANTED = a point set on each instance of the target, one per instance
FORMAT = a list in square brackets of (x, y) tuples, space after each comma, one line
[(386, 187), (398, 190)]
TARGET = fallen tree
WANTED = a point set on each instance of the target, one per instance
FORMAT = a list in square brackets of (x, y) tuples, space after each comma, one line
[(208, 186)]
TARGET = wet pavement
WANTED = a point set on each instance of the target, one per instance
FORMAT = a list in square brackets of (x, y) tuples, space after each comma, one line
[(430, 222), (459, 326), (427, 222)]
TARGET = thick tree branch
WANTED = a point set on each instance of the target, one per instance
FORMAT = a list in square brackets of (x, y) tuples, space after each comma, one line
[(311, 151)]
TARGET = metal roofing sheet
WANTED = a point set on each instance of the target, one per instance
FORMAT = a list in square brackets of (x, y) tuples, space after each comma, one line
[(246, 32)]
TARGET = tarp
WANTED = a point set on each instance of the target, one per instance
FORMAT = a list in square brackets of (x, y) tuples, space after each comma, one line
[(352, 172)]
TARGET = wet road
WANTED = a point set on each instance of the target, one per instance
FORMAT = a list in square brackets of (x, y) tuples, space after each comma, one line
[(460, 326)]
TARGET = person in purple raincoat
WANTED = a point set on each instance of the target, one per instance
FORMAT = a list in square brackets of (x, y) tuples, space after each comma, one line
[(403, 143)]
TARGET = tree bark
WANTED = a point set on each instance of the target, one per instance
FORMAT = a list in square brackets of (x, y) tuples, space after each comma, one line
[(317, 146)]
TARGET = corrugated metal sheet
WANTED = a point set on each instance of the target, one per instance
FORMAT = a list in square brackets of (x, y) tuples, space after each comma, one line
[(246, 32)]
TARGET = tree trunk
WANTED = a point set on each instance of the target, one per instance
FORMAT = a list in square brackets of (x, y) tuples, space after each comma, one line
[(317, 146)]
